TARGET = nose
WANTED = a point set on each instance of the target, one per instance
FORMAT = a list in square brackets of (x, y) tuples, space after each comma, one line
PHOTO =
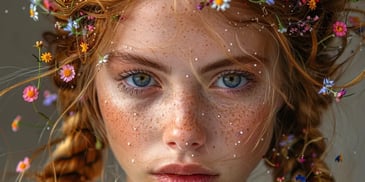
[(184, 130)]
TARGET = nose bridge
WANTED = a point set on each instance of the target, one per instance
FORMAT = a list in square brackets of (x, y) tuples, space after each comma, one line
[(186, 106), (184, 129)]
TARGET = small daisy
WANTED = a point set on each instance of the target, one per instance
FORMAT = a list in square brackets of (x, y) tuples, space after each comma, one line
[(340, 29), (30, 93), (23, 165), (67, 73), (38, 44), (33, 12), (84, 47), (221, 4), (15, 123), (46, 57)]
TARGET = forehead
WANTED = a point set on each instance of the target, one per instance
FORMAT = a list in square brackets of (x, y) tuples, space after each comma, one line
[(178, 24)]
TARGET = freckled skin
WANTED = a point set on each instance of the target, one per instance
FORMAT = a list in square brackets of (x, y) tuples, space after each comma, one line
[(164, 124)]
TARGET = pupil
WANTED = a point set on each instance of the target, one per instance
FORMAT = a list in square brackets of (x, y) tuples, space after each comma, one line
[(231, 81), (141, 79)]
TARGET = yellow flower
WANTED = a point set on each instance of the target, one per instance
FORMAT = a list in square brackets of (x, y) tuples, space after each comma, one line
[(84, 47), (38, 44), (46, 57)]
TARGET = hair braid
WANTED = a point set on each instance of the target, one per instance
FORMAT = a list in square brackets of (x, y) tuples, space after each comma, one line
[(77, 157)]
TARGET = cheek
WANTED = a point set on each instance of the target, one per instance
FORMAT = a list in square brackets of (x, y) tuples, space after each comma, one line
[(246, 129), (124, 129)]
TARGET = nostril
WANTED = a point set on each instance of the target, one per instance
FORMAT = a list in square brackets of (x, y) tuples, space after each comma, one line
[(171, 144), (195, 144)]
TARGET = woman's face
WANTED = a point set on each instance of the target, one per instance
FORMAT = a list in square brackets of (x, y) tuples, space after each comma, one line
[(175, 107)]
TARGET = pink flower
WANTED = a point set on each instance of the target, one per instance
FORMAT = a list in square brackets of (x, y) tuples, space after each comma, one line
[(90, 28), (67, 73), (15, 123), (23, 165), (340, 95), (30, 93), (340, 29)]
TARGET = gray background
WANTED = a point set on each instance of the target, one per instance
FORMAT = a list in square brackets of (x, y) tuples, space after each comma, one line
[(18, 33)]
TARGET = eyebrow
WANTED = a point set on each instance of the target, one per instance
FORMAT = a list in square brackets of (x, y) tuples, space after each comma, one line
[(141, 60), (229, 62), (144, 61)]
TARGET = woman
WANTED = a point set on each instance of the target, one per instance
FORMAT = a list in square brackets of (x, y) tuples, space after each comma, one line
[(181, 92)]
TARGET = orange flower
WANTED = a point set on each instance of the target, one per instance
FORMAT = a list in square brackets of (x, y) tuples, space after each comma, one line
[(15, 123), (84, 47), (312, 4), (46, 57)]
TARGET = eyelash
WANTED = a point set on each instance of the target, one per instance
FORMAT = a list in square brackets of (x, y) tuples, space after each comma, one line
[(250, 77)]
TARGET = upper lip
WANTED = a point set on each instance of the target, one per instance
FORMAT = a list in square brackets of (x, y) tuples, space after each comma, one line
[(184, 169)]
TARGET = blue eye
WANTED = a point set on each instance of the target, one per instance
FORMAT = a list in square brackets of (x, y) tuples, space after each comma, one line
[(231, 80), (139, 79)]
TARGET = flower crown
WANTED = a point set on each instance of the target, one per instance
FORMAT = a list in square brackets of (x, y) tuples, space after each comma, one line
[(82, 24)]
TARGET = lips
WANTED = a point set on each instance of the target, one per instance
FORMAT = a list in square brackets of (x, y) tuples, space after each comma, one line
[(184, 173)]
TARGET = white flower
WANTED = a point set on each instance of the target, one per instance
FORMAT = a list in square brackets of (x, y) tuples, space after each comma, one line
[(33, 12), (221, 4)]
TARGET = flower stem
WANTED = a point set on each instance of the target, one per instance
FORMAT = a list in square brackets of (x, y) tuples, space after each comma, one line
[(39, 69), (326, 38)]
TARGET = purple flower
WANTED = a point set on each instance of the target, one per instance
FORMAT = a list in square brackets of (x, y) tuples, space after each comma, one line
[(49, 98)]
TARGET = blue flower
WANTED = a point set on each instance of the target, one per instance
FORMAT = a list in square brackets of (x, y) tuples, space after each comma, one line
[(270, 2), (71, 26), (49, 98), (328, 83), (300, 178)]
